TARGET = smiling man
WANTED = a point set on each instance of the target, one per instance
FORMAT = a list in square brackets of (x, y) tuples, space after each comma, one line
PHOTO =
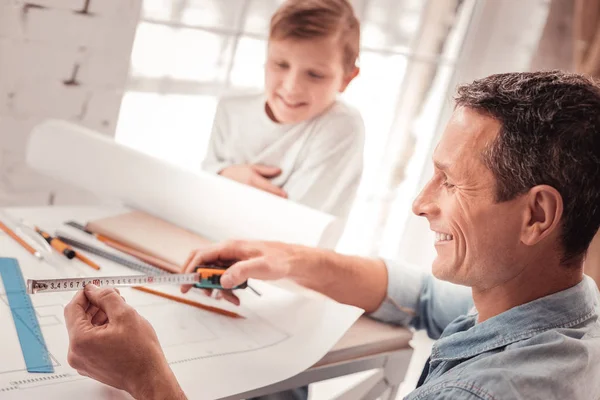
[(514, 203)]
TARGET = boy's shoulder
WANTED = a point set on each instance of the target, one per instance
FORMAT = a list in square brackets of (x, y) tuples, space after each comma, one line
[(343, 119), (342, 124), (341, 110)]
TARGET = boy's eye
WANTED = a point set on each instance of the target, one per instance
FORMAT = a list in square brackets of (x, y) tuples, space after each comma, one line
[(282, 65), (315, 75)]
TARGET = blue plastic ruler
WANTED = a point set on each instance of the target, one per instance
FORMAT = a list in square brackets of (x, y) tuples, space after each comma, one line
[(33, 346)]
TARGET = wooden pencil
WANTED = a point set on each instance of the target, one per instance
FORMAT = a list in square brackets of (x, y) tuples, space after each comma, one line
[(18, 239), (87, 261), (189, 302)]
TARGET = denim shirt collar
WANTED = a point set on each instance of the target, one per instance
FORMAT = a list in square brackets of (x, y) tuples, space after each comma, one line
[(464, 338)]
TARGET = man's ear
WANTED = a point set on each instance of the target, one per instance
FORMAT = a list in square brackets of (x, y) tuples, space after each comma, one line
[(348, 78), (542, 215)]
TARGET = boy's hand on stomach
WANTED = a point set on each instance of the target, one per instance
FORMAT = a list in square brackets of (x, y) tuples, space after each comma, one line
[(255, 175)]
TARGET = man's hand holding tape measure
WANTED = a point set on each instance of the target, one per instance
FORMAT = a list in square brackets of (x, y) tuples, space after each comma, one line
[(110, 342), (347, 279), (258, 260)]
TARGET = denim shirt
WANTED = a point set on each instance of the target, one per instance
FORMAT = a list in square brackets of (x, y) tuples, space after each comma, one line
[(545, 349)]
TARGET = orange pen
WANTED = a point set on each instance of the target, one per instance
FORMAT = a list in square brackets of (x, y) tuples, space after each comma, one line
[(65, 249), (57, 244)]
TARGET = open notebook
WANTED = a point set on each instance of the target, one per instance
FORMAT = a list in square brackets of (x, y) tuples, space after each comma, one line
[(151, 236)]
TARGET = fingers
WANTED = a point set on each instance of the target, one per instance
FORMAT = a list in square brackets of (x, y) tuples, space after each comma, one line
[(226, 251), (241, 271), (107, 300), (91, 311), (75, 312), (229, 296), (96, 315), (100, 318), (266, 171), (266, 185)]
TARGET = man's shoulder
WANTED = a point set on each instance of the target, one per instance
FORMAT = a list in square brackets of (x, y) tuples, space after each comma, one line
[(505, 382), (452, 390), (528, 369)]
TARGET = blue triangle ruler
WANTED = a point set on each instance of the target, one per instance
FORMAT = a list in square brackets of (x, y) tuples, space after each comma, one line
[(36, 355)]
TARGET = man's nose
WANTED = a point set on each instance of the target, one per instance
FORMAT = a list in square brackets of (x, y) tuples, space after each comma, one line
[(424, 205)]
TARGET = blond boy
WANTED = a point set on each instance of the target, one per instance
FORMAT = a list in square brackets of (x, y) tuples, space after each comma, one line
[(296, 139)]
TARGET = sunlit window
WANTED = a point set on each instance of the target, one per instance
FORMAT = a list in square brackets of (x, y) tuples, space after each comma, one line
[(188, 53)]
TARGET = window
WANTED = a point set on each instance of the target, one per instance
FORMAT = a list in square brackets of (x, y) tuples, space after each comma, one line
[(188, 53)]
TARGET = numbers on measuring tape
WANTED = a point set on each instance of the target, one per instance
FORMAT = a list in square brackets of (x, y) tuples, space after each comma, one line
[(50, 285)]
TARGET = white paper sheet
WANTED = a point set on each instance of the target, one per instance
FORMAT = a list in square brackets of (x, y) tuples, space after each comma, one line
[(210, 205), (212, 356)]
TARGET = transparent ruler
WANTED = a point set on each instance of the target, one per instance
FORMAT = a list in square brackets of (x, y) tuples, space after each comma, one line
[(70, 284), (35, 353)]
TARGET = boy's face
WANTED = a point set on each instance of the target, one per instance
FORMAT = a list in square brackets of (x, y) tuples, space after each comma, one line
[(302, 77)]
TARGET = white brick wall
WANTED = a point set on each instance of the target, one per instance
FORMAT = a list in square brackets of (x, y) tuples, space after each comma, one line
[(43, 45)]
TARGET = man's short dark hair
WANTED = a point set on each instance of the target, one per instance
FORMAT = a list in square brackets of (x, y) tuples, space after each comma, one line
[(550, 135)]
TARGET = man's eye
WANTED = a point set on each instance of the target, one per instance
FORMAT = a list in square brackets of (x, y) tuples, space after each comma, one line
[(315, 75), (282, 65), (447, 184)]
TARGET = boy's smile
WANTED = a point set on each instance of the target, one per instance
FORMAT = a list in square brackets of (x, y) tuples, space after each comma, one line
[(291, 103)]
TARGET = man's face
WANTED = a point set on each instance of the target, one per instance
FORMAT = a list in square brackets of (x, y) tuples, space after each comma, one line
[(477, 240), (302, 78)]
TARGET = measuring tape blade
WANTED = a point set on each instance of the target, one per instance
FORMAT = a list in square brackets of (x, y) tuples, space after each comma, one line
[(70, 284), (36, 355)]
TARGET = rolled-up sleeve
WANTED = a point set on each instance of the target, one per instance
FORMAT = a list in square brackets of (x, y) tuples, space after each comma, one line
[(415, 298), (405, 283)]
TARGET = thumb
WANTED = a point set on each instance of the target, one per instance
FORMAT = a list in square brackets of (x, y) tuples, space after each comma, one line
[(241, 271), (106, 299), (266, 171)]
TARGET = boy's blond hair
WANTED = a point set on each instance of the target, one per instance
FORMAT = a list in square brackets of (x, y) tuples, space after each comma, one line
[(305, 19)]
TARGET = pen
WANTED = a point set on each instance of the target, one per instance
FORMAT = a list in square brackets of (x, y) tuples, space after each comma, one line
[(18, 239)]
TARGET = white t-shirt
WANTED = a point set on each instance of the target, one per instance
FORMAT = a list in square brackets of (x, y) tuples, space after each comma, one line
[(321, 159)]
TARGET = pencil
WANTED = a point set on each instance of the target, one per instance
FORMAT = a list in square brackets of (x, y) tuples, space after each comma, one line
[(87, 261), (18, 239), (189, 302)]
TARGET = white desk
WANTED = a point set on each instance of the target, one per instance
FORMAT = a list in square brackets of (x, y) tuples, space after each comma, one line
[(366, 346)]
